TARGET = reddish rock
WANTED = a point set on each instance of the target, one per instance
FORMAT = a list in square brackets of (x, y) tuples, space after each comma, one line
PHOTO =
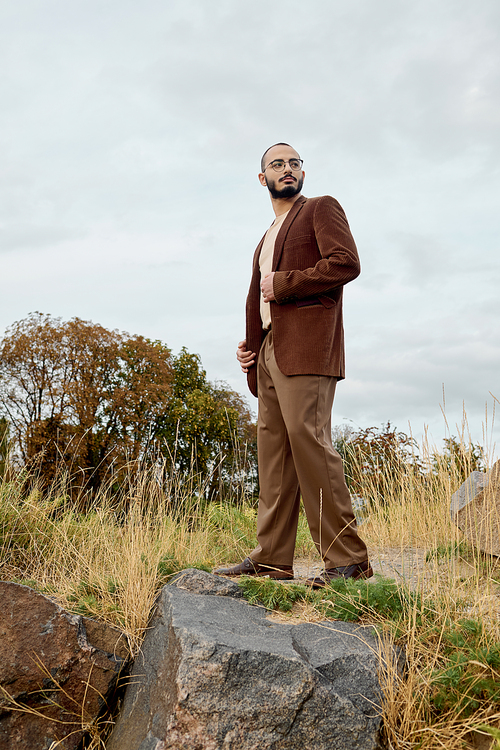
[(59, 669)]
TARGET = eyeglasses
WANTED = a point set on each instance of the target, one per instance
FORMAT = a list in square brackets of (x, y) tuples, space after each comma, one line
[(279, 165)]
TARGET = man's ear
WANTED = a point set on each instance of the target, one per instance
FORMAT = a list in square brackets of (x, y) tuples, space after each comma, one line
[(262, 179)]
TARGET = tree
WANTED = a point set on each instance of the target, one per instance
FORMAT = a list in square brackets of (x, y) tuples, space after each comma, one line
[(373, 457), (237, 442), (458, 459), (32, 376), (206, 423), (143, 392), (88, 401), (80, 397)]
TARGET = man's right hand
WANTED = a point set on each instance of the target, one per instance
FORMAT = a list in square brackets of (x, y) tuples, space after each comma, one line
[(244, 357)]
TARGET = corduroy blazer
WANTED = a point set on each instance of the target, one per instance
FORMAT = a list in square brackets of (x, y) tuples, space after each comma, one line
[(314, 256)]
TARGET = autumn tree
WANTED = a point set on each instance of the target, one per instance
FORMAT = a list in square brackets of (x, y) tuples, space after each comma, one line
[(80, 396), (32, 376), (87, 401), (143, 392)]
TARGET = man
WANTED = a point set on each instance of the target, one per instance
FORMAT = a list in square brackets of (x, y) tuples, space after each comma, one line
[(293, 356)]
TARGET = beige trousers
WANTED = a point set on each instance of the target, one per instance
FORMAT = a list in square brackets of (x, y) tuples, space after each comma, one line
[(296, 457)]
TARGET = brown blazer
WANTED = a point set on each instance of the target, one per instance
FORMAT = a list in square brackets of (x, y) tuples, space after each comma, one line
[(314, 256)]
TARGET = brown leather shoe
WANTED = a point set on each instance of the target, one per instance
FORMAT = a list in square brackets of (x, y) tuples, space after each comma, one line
[(251, 568), (355, 571)]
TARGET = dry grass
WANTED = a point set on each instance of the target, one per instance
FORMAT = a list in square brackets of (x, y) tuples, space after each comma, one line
[(411, 717), (457, 583), (110, 563)]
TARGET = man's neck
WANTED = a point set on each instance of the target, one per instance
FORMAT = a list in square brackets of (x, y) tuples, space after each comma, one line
[(282, 205)]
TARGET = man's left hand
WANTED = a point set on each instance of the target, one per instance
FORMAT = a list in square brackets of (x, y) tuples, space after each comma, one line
[(266, 286)]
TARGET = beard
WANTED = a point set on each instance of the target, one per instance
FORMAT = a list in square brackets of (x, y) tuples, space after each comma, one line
[(288, 191)]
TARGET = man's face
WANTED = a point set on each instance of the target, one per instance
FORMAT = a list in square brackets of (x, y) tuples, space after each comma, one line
[(284, 184)]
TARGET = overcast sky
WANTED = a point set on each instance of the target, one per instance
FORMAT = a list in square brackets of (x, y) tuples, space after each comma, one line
[(130, 138)]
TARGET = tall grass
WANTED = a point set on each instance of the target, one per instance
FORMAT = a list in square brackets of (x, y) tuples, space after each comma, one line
[(449, 696), (110, 563)]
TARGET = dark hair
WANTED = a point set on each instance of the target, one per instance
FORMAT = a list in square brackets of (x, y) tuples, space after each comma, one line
[(262, 162)]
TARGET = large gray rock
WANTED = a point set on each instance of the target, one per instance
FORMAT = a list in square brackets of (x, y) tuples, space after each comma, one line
[(475, 508), (57, 667), (215, 673)]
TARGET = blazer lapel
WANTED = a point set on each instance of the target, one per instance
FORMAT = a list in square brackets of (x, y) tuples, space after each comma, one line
[(280, 239)]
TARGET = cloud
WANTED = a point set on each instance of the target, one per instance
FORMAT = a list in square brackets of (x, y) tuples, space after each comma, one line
[(130, 141)]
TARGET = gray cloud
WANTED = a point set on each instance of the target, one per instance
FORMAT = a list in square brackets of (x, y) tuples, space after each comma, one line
[(130, 141)]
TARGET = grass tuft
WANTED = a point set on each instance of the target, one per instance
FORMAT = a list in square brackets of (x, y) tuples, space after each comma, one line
[(343, 599)]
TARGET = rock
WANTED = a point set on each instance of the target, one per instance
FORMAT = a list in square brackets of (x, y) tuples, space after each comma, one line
[(468, 491), (475, 508), (199, 582), (215, 673), (60, 667)]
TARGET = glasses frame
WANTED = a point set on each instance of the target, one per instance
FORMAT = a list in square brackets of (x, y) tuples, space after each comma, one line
[(286, 161)]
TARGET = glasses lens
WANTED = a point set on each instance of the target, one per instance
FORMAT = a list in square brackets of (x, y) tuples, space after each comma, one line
[(279, 164)]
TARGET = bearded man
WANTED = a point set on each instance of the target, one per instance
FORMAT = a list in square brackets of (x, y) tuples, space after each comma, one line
[(293, 356)]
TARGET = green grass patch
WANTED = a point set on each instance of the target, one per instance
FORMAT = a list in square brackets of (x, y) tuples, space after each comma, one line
[(468, 674), (344, 599)]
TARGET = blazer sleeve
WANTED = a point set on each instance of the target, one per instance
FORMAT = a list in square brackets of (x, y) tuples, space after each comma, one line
[(338, 262)]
